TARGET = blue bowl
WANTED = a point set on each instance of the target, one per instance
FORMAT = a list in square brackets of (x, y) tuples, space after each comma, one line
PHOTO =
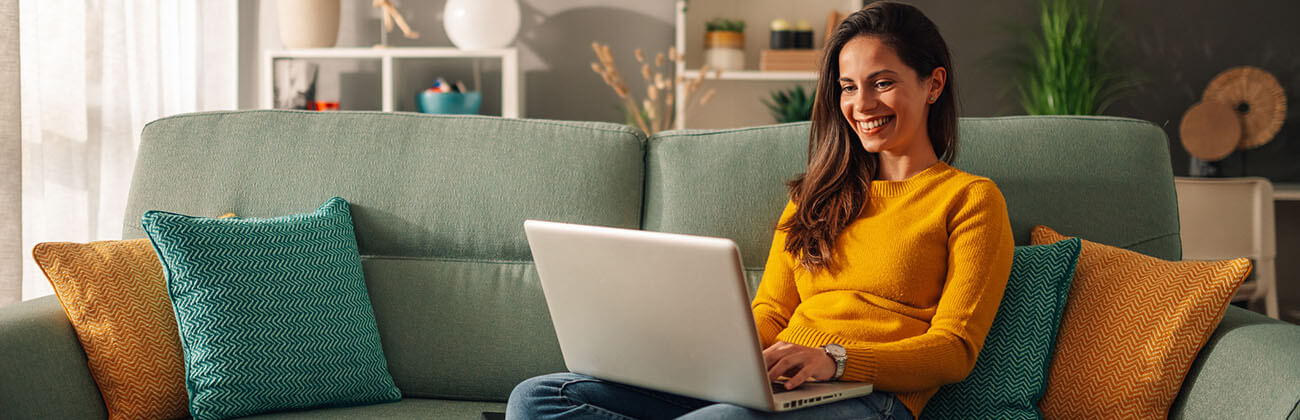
[(448, 102)]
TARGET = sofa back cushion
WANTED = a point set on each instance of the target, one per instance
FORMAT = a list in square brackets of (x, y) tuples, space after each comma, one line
[(1098, 177), (438, 203)]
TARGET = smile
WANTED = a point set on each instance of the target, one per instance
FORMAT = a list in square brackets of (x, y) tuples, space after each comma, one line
[(875, 123)]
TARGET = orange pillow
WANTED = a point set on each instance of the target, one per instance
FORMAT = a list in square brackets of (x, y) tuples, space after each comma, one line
[(116, 299), (1133, 324)]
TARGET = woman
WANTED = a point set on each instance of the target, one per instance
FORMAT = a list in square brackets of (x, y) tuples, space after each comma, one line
[(887, 265)]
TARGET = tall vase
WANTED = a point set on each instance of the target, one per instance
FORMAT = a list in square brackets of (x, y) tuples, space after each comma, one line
[(309, 23), (481, 24)]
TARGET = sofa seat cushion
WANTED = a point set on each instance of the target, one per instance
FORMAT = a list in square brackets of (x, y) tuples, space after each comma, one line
[(407, 408)]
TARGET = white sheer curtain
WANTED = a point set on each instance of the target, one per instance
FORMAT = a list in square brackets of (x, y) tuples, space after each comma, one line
[(93, 72)]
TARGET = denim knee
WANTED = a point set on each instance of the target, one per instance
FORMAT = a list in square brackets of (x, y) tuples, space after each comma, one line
[(723, 412), (537, 392)]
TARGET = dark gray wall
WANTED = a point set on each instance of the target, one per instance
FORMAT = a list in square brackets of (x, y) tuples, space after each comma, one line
[(1176, 46)]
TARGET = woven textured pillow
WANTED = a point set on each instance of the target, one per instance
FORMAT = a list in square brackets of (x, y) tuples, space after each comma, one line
[(1133, 324), (273, 313), (116, 300), (1010, 375)]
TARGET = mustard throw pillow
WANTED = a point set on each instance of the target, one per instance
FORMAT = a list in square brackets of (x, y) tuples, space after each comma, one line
[(116, 299), (1132, 326)]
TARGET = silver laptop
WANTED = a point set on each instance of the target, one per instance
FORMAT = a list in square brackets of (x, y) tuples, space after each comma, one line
[(661, 311)]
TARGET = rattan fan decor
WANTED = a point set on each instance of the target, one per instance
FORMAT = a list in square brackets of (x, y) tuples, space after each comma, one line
[(1210, 130), (1258, 99)]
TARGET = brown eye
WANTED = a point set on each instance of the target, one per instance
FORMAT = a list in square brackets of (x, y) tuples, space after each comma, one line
[(884, 84)]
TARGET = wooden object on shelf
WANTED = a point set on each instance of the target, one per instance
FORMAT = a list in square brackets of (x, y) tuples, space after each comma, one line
[(789, 60), (1210, 130), (1258, 99)]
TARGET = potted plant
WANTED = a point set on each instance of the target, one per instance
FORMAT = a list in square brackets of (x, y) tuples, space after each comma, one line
[(1066, 68), (790, 105), (724, 44)]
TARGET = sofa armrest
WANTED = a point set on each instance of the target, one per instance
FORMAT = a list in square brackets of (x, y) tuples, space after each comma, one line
[(1250, 368), (43, 372)]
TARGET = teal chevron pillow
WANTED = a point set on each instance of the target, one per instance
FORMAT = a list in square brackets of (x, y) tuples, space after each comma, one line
[(1010, 375), (273, 313)]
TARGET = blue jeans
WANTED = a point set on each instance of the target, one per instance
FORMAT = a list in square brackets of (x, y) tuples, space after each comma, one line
[(571, 396)]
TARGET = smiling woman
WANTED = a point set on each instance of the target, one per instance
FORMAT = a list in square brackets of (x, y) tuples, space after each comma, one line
[(887, 266)]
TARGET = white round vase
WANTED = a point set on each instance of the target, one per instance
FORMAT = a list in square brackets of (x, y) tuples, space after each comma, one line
[(481, 24), (309, 23)]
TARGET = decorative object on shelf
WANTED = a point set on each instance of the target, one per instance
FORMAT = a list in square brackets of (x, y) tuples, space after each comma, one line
[(325, 105), (447, 98), (789, 60), (1242, 108), (1258, 99), (1210, 130), (803, 35), (791, 48), (295, 84), (782, 37), (656, 112), (1063, 68), (391, 17), (481, 24), (724, 44), (308, 23), (790, 105)]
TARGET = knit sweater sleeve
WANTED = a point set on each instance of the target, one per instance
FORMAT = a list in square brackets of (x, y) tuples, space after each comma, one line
[(777, 295), (980, 251)]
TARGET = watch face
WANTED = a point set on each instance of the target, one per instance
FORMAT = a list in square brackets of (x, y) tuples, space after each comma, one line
[(836, 350)]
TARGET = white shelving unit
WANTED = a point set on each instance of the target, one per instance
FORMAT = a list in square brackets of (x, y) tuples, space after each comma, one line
[(737, 101), (511, 83)]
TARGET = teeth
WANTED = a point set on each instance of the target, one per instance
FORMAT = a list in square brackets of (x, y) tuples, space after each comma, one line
[(870, 125)]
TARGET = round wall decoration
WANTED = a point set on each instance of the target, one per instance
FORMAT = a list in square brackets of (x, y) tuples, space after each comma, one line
[(1257, 98), (1210, 131)]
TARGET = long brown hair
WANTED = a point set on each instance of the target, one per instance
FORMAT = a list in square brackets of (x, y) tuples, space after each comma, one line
[(834, 190)]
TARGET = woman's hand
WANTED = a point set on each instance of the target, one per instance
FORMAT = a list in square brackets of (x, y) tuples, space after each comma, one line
[(798, 363)]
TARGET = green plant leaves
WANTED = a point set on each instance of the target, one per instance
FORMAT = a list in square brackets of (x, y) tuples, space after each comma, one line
[(790, 105), (1066, 71)]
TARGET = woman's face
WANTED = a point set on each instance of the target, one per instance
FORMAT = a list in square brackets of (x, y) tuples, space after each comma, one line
[(883, 99)]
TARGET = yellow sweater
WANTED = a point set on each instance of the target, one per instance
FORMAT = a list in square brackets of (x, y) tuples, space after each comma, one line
[(918, 280)]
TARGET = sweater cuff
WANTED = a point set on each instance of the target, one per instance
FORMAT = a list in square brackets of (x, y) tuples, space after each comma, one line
[(861, 363)]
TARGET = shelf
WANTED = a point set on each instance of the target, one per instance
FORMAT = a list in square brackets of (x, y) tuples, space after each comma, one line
[(396, 52), (1283, 191), (776, 76), (511, 82)]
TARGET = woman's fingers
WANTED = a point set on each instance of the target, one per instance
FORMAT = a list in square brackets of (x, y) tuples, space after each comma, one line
[(805, 372), (776, 352), (781, 368)]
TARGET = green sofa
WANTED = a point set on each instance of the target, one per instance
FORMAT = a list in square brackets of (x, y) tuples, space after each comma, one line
[(439, 202)]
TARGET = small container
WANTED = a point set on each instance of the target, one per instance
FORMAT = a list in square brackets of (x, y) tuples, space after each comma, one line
[(803, 36), (432, 102), (782, 37)]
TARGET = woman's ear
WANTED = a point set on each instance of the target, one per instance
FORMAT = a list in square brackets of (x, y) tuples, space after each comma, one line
[(938, 79)]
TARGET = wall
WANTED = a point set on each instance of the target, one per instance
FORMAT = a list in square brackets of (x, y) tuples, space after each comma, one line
[(1176, 47), (11, 158)]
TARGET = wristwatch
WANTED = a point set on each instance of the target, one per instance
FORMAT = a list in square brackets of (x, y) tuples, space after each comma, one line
[(837, 353)]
